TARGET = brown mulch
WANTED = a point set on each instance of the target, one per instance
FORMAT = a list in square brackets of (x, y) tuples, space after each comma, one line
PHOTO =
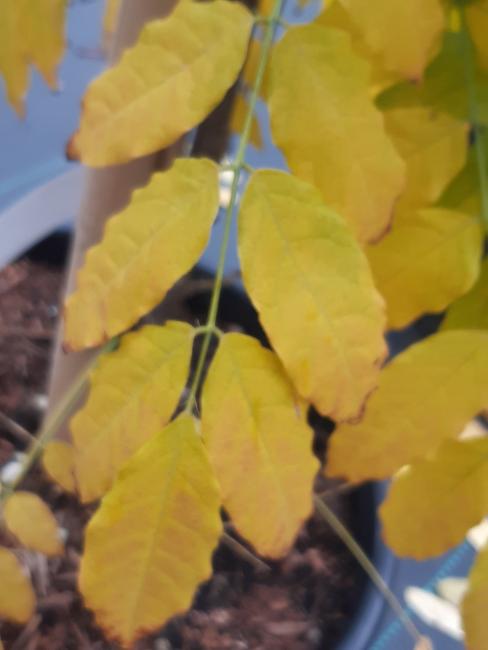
[(302, 602)]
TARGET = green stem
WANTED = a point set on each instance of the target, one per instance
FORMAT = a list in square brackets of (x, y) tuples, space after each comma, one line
[(470, 74), (238, 166), (53, 424), (349, 541)]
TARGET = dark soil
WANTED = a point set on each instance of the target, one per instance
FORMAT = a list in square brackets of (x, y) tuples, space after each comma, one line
[(302, 602)]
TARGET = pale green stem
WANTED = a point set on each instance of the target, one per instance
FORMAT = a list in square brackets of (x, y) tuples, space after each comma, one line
[(349, 541), (52, 425), (470, 73), (237, 166)]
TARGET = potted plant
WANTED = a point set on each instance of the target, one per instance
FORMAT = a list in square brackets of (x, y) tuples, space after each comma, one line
[(314, 248)]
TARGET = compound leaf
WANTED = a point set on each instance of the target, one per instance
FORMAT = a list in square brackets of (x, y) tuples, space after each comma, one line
[(17, 598), (471, 310), (178, 71), (434, 147), (29, 519), (474, 604), (144, 251), (430, 258), (340, 146), (258, 443), (404, 34), (149, 545), (134, 392), (444, 495), (299, 260), (425, 395), (58, 461)]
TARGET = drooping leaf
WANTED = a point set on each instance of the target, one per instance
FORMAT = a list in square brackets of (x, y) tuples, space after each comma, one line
[(428, 259), (29, 519), (17, 598), (425, 395), (339, 145), (471, 310), (150, 543), (299, 260), (444, 86), (13, 64), (134, 392), (145, 250), (434, 502), (58, 461), (434, 147), (477, 20), (259, 444), (404, 34), (178, 71), (475, 621), (337, 17)]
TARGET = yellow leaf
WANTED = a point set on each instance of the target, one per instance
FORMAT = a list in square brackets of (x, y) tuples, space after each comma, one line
[(33, 524), (470, 311), (334, 138), (150, 543), (431, 505), (13, 64), (477, 20), (404, 34), (31, 31), (299, 261), (475, 620), (434, 147), (239, 112), (337, 17), (425, 395), (179, 70), (42, 25), (259, 444), (58, 460), (145, 250), (134, 392), (17, 599), (430, 258), (463, 193)]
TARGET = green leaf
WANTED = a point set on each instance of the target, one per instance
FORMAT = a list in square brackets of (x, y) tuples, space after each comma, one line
[(144, 251), (443, 496), (471, 310), (178, 71), (425, 395), (444, 85)]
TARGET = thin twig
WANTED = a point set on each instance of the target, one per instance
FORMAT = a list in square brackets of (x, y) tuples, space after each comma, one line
[(349, 541), (238, 166), (240, 550), (18, 432)]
